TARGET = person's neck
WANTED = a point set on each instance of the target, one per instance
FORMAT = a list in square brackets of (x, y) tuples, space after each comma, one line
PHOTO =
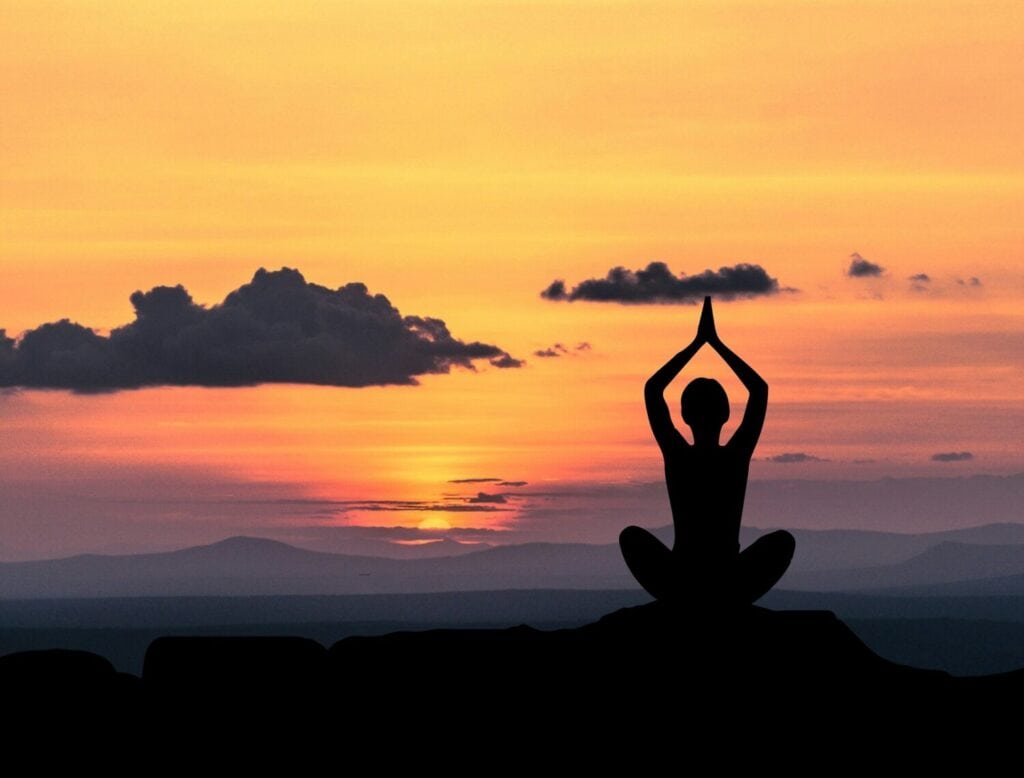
[(706, 438)]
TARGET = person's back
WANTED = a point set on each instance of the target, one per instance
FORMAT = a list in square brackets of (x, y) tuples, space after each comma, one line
[(706, 484), (706, 489)]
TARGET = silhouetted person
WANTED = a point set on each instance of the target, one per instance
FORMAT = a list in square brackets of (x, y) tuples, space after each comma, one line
[(706, 483)]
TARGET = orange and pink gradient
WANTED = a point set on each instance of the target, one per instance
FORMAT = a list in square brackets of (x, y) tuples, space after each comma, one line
[(458, 157)]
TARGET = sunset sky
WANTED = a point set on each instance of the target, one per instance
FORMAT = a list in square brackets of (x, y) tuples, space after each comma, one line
[(458, 157)]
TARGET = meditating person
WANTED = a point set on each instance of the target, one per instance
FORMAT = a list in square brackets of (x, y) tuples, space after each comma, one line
[(707, 482)]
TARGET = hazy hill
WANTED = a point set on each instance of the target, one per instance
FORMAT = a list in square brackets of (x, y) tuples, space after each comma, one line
[(999, 588), (831, 560), (254, 566), (838, 549), (940, 564)]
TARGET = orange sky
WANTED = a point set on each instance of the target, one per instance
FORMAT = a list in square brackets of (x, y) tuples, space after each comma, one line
[(459, 156)]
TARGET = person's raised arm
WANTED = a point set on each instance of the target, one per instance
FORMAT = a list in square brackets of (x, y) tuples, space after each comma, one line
[(757, 404), (658, 415)]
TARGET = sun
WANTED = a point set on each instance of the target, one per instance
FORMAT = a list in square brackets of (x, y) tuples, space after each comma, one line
[(434, 522)]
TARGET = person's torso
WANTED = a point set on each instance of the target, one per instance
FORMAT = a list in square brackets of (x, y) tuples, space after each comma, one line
[(706, 489)]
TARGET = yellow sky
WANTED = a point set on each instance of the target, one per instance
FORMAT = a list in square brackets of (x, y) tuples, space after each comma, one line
[(458, 156)]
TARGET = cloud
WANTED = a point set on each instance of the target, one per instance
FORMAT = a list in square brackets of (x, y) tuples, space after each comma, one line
[(471, 506), (558, 350), (657, 284), (473, 480), (863, 268), (952, 456), (483, 497), (278, 328), (313, 532), (554, 291), (512, 483), (793, 457), (920, 282), (923, 282), (396, 533), (507, 360), (554, 351)]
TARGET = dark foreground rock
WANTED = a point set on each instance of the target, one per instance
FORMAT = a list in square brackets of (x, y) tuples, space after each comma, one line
[(648, 671)]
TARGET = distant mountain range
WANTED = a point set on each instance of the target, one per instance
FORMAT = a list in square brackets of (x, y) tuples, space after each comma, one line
[(257, 566), (980, 560)]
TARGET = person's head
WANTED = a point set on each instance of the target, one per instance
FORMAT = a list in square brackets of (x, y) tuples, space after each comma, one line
[(705, 404)]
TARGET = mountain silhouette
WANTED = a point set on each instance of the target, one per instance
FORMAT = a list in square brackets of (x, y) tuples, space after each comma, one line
[(826, 560), (946, 562), (256, 566)]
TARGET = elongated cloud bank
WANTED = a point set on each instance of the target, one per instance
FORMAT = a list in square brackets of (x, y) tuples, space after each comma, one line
[(278, 328), (657, 284), (793, 457), (952, 456)]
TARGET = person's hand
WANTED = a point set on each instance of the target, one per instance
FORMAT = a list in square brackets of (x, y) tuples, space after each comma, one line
[(706, 332)]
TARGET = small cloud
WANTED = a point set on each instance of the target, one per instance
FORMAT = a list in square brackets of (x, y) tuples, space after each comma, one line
[(920, 282), (558, 350), (473, 480), (863, 268), (972, 281), (483, 497), (657, 284), (512, 483), (555, 291), (952, 456), (507, 360), (794, 457)]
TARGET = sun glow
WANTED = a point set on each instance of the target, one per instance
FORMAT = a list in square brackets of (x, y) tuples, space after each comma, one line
[(457, 157), (434, 522)]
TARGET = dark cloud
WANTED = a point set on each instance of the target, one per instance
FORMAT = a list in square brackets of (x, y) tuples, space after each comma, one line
[(952, 456), (483, 497), (473, 480), (920, 278), (416, 505), (558, 350), (657, 284), (507, 360), (555, 291), (397, 533), (512, 483), (972, 281), (794, 457), (278, 328), (863, 268)]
